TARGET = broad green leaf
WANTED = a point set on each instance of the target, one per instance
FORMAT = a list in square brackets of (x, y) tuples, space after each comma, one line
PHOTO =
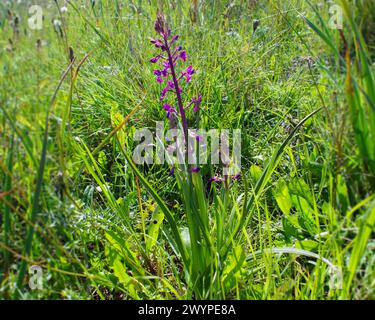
[(127, 281), (255, 172), (282, 196), (309, 245), (305, 214)]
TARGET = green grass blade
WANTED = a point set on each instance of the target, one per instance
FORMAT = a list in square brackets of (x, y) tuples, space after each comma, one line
[(360, 242), (6, 209), (38, 190), (168, 214), (263, 180)]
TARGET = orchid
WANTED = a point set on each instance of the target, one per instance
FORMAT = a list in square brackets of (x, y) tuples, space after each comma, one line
[(169, 75)]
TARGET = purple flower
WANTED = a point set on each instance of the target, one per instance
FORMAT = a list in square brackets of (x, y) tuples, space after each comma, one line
[(188, 73), (169, 108), (171, 173), (190, 70), (196, 102), (170, 84), (195, 169), (164, 92), (183, 55), (170, 58), (155, 59), (174, 39), (159, 74), (237, 176), (164, 73), (157, 43)]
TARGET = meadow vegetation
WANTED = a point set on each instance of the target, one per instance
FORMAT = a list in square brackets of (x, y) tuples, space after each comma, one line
[(298, 223)]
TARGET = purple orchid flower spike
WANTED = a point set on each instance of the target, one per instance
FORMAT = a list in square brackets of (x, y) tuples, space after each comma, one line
[(169, 57)]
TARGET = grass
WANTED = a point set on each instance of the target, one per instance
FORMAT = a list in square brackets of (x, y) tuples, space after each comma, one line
[(298, 224)]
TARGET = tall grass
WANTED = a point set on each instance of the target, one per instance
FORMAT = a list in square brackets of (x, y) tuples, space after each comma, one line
[(359, 85)]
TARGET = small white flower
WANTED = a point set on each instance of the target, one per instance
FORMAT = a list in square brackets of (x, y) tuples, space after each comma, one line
[(56, 23), (106, 188), (64, 9)]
